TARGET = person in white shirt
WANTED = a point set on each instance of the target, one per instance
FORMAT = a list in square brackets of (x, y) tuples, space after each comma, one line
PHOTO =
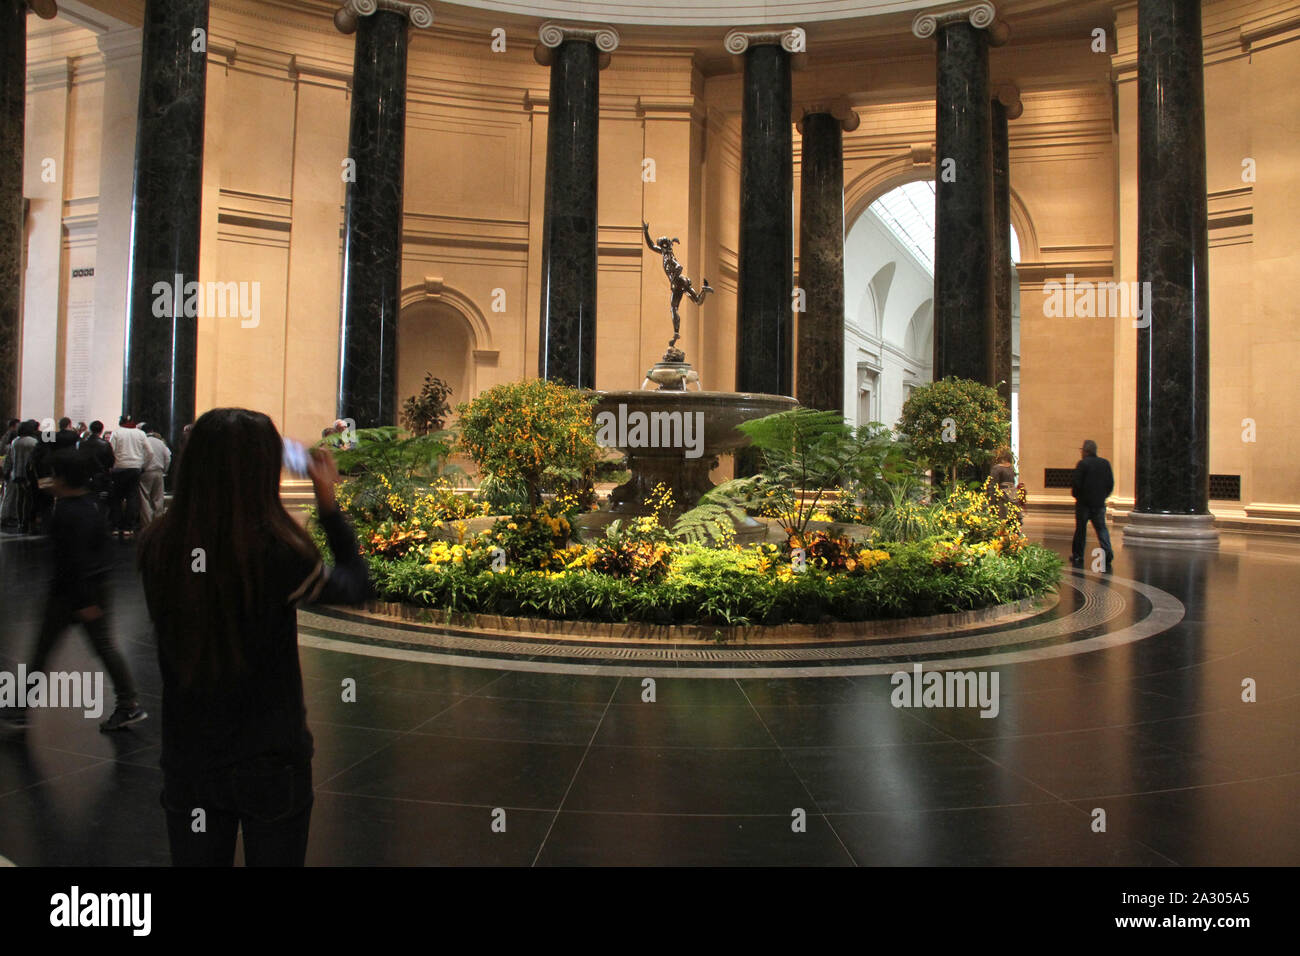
[(156, 462), (130, 449)]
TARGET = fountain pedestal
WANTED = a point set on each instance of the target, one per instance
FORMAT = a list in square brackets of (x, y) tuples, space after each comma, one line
[(673, 437)]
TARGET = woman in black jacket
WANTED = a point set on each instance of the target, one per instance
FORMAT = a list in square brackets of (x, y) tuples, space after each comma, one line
[(224, 570)]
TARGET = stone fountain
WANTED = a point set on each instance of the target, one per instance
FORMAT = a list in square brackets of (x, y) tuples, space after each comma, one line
[(672, 434)]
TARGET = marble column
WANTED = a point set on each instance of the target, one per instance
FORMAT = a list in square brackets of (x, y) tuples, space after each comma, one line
[(13, 105), (567, 346), (162, 330), (764, 313), (963, 244), (1173, 337), (1006, 106), (372, 208), (821, 256)]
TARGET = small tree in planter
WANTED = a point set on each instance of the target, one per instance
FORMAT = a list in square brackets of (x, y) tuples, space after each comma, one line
[(428, 411), (956, 424), (535, 432)]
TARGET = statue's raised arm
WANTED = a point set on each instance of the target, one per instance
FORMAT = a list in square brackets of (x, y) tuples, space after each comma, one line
[(645, 228)]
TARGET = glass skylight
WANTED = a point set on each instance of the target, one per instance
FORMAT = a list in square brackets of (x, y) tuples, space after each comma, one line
[(908, 212)]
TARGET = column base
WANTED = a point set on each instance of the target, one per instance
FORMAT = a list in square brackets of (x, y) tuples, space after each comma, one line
[(1142, 528)]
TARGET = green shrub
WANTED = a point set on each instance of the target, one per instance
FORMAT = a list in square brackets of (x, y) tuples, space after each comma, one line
[(956, 424), (535, 433)]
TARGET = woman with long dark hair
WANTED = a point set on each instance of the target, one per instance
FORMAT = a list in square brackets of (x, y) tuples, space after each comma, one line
[(224, 570)]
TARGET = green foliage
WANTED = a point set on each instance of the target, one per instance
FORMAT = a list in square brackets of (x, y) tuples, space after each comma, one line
[(956, 424), (534, 433), (428, 411), (385, 472), (805, 454), (730, 586), (531, 540)]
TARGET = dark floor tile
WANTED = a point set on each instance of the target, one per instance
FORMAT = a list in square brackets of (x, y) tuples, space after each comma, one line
[(1042, 834), (686, 781), (504, 718), (106, 815), (348, 830), (683, 692), (530, 685), (435, 679), (656, 725), (1090, 763), (379, 708), (1252, 823), (451, 770), (907, 777), (846, 725), (617, 839), (24, 762)]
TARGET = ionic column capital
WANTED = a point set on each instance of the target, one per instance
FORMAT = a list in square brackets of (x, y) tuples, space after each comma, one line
[(350, 13), (790, 39), (551, 34), (839, 108), (982, 15)]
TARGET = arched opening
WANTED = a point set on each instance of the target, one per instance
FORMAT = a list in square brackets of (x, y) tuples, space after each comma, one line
[(889, 273), (434, 337)]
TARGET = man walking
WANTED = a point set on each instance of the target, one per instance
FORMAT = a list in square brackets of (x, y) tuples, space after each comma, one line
[(79, 586), (1093, 482)]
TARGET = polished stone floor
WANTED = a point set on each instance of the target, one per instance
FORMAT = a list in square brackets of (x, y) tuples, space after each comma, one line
[(582, 770)]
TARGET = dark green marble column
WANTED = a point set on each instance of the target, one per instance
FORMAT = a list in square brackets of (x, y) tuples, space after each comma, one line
[(1006, 106), (372, 212), (1173, 339), (567, 344), (161, 338), (764, 314), (13, 100), (821, 259)]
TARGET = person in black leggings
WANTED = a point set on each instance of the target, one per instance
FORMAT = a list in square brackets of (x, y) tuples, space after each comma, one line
[(78, 588), (224, 570)]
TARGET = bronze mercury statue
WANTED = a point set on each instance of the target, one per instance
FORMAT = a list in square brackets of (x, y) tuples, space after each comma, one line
[(678, 284)]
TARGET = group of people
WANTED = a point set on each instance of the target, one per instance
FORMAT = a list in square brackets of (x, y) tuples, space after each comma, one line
[(127, 467), (235, 740)]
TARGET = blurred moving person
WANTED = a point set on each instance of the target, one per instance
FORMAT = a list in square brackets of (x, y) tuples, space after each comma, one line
[(79, 587)]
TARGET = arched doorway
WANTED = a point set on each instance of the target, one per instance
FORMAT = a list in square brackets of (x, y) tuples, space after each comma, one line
[(889, 285), (434, 337)]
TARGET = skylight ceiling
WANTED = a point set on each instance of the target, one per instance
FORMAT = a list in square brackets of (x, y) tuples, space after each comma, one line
[(908, 213)]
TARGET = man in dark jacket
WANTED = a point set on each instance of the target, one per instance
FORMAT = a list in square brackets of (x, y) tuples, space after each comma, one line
[(1093, 482), (101, 452), (66, 437)]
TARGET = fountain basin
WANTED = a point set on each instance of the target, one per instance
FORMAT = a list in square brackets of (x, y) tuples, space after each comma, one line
[(674, 438)]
